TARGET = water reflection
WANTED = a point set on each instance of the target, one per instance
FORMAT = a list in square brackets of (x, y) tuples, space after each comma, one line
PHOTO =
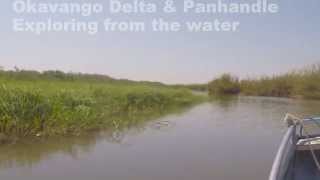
[(224, 101), (28, 152)]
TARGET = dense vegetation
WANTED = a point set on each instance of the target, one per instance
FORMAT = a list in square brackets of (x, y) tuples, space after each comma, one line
[(56, 103), (194, 87), (298, 84), (225, 85)]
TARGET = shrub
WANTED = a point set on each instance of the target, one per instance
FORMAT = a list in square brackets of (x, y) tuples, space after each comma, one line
[(225, 85)]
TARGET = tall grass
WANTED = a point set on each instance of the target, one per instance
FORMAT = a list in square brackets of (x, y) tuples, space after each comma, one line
[(277, 86), (44, 107), (301, 84), (298, 84)]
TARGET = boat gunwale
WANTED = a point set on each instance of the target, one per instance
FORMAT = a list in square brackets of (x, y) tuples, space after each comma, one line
[(282, 159), (285, 152)]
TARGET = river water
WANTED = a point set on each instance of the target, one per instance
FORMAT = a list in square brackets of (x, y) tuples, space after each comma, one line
[(230, 139)]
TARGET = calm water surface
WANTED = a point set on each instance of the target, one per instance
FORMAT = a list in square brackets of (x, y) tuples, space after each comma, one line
[(220, 140)]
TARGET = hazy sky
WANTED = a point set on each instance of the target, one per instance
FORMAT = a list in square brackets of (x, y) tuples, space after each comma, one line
[(265, 44)]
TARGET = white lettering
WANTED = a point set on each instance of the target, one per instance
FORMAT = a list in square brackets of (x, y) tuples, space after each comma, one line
[(29, 7)]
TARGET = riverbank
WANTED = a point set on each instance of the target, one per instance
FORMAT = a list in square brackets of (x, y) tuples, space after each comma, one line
[(59, 105), (303, 84)]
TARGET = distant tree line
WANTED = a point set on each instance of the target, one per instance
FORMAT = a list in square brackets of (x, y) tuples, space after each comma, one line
[(20, 74)]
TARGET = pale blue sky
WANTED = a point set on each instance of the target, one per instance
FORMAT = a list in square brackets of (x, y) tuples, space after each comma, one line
[(265, 45)]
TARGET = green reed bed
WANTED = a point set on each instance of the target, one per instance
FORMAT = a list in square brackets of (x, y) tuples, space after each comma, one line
[(45, 108), (298, 84)]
